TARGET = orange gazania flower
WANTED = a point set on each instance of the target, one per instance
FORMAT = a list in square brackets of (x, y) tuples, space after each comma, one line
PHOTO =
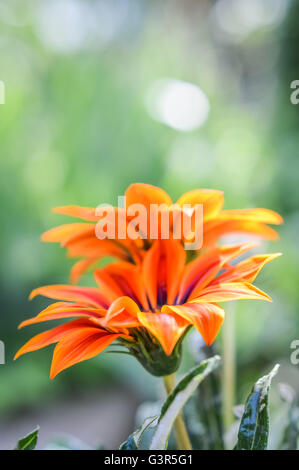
[(147, 308), (81, 241)]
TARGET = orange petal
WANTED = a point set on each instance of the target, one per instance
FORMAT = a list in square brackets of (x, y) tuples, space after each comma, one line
[(80, 268), (146, 194), (92, 247), (150, 274), (230, 291), (135, 251), (95, 230), (200, 272), (214, 229), (162, 268), (211, 199), (207, 318), (66, 310), (62, 232), (122, 313), (88, 295), (175, 262), (55, 334), (76, 236), (167, 328), (122, 279), (265, 216), (85, 213), (246, 270), (124, 303), (77, 347)]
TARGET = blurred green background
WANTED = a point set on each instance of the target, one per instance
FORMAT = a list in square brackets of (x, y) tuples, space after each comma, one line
[(95, 99)]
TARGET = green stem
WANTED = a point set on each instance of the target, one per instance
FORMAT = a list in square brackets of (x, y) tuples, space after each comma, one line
[(229, 366), (180, 431)]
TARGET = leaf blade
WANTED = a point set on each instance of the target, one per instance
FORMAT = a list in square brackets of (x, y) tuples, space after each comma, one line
[(132, 443), (29, 441), (254, 427), (177, 399)]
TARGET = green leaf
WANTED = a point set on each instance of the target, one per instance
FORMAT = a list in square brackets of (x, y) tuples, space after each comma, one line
[(290, 439), (133, 441), (177, 399), (291, 434), (28, 442), (254, 428), (203, 412)]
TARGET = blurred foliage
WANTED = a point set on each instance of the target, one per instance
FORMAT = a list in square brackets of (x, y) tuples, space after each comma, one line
[(75, 129)]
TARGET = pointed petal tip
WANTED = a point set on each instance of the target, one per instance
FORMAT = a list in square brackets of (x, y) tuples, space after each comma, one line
[(261, 293), (59, 209), (53, 374), (74, 277), (32, 294), (269, 257), (279, 218), (19, 353), (209, 340), (275, 218), (275, 255), (47, 236)]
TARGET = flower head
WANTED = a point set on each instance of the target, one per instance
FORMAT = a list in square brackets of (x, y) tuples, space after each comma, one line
[(81, 240), (147, 307)]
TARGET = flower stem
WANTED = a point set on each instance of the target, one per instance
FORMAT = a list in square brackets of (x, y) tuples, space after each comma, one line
[(229, 366), (180, 431)]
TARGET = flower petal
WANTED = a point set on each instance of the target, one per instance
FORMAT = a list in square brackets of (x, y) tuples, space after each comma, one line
[(265, 216), (146, 194), (77, 347), (246, 270), (65, 310), (200, 272), (85, 213), (167, 328), (80, 268), (162, 268), (226, 291), (211, 199), (122, 279), (207, 318), (214, 229), (62, 232), (55, 334), (88, 295), (152, 203), (122, 313), (92, 247)]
